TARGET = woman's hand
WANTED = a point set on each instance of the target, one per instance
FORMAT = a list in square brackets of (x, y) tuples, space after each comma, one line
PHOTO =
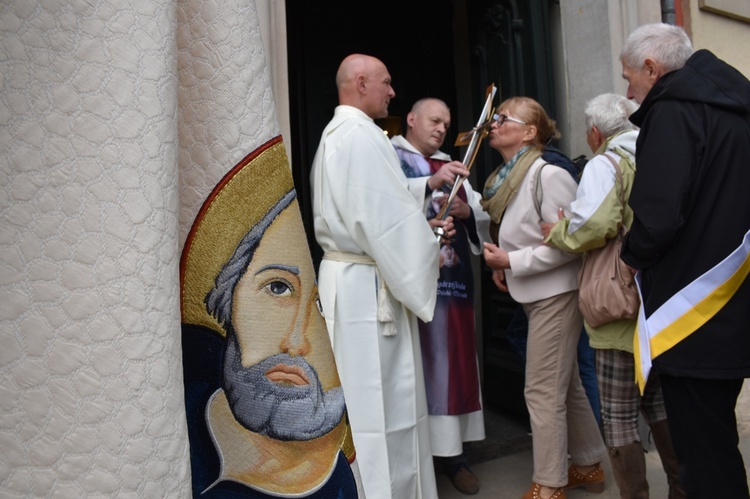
[(546, 229), (496, 257), (547, 226)]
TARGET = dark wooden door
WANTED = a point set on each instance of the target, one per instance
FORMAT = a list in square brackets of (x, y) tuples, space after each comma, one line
[(509, 46), (413, 38), (420, 42)]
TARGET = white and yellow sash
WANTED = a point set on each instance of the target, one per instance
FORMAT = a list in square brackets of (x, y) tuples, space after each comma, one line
[(688, 310)]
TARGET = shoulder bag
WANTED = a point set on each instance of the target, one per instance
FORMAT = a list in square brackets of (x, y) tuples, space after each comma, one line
[(607, 291)]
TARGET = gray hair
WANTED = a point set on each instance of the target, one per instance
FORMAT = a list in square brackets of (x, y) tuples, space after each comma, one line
[(668, 45), (610, 113), (219, 299)]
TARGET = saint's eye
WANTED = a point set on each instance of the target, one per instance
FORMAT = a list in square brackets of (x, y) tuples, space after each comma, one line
[(278, 288)]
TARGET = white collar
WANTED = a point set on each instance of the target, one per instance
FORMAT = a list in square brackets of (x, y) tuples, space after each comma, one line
[(401, 142)]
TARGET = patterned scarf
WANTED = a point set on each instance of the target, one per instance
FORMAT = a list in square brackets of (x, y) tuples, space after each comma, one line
[(504, 182)]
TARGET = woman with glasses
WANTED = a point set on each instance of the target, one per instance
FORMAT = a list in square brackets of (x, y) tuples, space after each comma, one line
[(520, 194)]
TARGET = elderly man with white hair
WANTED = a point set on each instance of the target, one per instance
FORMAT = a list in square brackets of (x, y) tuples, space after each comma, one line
[(690, 241)]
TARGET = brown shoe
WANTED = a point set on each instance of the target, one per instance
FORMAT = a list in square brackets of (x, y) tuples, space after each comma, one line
[(465, 481), (593, 481), (534, 493)]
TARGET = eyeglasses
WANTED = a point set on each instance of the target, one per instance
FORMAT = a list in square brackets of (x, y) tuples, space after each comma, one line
[(502, 118)]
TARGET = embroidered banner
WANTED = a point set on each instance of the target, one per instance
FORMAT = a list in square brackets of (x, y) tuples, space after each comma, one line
[(132, 130)]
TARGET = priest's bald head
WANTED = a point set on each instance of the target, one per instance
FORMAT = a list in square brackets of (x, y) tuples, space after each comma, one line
[(363, 82)]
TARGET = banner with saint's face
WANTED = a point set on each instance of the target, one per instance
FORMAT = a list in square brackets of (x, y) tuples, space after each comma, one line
[(159, 318), (266, 411)]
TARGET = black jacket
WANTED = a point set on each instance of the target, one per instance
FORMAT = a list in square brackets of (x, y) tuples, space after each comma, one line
[(691, 201)]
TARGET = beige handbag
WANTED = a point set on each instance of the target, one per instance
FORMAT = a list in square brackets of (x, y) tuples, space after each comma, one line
[(607, 290)]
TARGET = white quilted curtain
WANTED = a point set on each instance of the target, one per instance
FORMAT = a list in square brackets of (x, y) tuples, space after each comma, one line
[(116, 119)]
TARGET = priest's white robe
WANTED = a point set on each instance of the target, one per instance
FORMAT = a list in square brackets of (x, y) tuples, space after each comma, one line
[(362, 206)]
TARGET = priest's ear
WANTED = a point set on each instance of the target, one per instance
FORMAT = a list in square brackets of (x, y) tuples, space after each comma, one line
[(411, 118), (361, 83)]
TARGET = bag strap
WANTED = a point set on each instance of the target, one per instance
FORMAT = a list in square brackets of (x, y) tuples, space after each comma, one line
[(618, 171), (619, 177), (538, 191)]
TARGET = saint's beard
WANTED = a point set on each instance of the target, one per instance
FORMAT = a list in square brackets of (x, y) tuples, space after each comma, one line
[(280, 411)]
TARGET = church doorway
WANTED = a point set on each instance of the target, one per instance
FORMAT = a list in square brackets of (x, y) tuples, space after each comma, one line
[(451, 49)]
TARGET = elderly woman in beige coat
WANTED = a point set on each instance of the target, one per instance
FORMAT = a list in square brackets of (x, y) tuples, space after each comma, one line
[(544, 281)]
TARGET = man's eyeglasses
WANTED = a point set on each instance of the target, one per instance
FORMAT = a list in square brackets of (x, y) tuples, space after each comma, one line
[(502, 118)]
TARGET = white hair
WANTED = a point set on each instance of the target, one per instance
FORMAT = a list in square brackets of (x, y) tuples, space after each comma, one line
[(668, 45), (610, 113)]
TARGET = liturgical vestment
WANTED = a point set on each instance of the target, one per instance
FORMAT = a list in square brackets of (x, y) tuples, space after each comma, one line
[(448, 342), (363, 210)]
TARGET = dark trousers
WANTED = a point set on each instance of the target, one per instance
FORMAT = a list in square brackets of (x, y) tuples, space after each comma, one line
[(703, 425), (452, 464)]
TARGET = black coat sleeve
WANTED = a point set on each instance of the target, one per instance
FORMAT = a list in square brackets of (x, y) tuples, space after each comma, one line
[(666, 154)]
